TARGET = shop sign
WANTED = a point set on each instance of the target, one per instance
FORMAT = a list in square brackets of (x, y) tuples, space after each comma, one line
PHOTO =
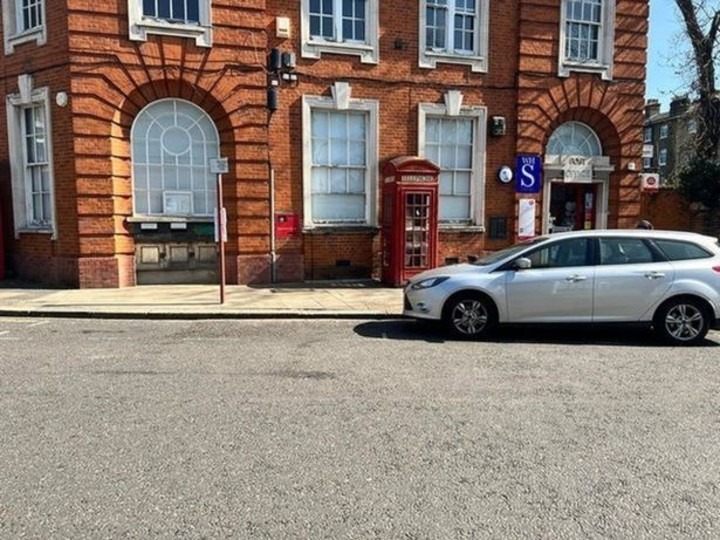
[(577, 168), (528, 174)]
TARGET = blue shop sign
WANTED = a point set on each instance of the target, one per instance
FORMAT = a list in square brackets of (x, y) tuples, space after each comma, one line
[(528, 174)]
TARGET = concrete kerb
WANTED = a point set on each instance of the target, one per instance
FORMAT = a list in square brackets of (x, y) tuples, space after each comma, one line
[(32, 313)]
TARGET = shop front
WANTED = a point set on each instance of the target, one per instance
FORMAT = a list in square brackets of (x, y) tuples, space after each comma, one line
[(577, 180)]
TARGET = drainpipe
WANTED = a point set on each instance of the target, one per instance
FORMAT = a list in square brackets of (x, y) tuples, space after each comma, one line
[(273, 260)]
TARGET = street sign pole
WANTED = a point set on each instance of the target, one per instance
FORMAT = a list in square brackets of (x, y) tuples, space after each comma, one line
[(222, 228), (219, 166)]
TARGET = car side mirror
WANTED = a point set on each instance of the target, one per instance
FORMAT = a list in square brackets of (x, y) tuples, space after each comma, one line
[(523, 263)]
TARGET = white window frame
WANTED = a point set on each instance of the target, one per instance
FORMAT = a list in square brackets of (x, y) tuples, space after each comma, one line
[(478, 61), (371, 108), (369, 51), (664, 131), (648, 135), (21, 187), (174, 194), (662, 157), (477, 180), (141, 27), (606, 46), (647, 162), (13, 36)]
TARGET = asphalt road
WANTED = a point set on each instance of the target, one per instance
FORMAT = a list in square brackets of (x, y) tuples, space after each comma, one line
[(357, 430)]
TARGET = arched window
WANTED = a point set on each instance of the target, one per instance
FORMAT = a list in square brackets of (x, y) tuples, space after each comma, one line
[(172, 142), (574, 139)]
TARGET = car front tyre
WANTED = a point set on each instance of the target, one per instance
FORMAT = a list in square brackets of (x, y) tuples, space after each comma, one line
[(470, 316), (682, 321)]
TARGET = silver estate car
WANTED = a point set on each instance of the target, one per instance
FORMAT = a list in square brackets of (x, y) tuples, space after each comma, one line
[(665, 279)]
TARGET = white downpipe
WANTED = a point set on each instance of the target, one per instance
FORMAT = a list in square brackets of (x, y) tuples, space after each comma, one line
[(273, 260)]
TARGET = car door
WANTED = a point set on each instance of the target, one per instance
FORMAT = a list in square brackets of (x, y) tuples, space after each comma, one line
[(631, 278), (558, 287)]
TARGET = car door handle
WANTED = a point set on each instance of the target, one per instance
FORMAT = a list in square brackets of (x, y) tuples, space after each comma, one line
[(575, 278), (654, 275)]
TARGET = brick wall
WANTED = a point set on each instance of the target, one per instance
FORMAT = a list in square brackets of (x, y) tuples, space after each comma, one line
[(110, 79)]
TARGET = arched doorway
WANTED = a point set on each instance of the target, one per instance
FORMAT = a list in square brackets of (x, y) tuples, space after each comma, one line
[(174, 193), (577, 177)]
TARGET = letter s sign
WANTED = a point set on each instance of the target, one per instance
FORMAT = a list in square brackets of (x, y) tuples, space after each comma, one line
[(528, 174)]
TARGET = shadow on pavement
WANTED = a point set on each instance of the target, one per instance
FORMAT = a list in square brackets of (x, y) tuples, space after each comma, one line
[(632, 336)]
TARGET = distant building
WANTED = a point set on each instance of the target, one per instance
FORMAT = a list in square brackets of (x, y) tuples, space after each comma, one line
[(668, 137)]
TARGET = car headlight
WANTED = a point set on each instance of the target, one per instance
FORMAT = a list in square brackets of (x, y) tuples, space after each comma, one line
[(429, 282)]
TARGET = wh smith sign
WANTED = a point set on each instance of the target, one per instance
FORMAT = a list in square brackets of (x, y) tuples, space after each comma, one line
[(528, 174)]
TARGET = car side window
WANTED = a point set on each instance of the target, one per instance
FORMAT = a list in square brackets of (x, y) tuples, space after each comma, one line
[(676, 250), (624, 251), (570, 252)]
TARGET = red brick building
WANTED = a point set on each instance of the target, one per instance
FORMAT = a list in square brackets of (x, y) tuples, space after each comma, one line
[(115, 111)]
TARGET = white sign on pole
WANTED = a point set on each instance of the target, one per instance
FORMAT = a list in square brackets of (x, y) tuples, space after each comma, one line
[(219, 166), (222, 226), (526, 219)]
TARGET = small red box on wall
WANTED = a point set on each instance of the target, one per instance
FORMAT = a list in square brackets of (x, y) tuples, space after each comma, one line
[(286, 225)]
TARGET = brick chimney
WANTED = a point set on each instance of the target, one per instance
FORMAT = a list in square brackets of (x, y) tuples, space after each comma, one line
[(652, 107), (679, 105)]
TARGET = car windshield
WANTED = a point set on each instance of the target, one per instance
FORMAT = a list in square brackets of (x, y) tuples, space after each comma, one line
[(508, 251)]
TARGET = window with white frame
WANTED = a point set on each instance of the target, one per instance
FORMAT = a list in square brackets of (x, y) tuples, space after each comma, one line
[(648, 135), (454, 31), (456, 144), (31, 161), (692, 125), (340, 26), (23, 21), (647, 162), (183, 18), (664, 130), (339, 162), (172, 143), (662, 157), (588, 35)]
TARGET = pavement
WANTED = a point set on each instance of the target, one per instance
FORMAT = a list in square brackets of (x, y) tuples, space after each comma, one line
[(329, 300)]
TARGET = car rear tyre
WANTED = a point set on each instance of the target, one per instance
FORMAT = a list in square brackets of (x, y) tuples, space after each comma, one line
[(470, 316), (682, 321)]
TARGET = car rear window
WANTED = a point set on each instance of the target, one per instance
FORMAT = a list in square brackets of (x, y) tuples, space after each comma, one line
[(677, 250)]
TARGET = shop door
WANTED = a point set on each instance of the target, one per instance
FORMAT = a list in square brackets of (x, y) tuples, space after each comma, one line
[(573, 206)]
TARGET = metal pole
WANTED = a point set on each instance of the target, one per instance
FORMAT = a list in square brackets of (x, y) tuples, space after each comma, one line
[(222, 228), (273, 255)]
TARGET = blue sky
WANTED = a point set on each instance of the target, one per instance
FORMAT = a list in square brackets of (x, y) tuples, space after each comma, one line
[(666, 45)]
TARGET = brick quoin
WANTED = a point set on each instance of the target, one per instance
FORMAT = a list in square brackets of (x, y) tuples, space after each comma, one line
[(110, 79)]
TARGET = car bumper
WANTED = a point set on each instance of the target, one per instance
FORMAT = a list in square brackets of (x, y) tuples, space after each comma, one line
[(421, 306)]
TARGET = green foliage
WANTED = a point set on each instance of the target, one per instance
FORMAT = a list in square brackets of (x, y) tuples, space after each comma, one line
[(699, 182)]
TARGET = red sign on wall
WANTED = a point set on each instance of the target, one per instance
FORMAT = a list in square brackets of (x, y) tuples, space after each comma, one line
[(286, 225)]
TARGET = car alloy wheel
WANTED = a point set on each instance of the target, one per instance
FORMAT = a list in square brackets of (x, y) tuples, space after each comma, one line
[(470, 317), (682, 322)]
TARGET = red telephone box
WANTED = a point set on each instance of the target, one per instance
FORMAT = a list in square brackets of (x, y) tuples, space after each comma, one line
[(410, 222)]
